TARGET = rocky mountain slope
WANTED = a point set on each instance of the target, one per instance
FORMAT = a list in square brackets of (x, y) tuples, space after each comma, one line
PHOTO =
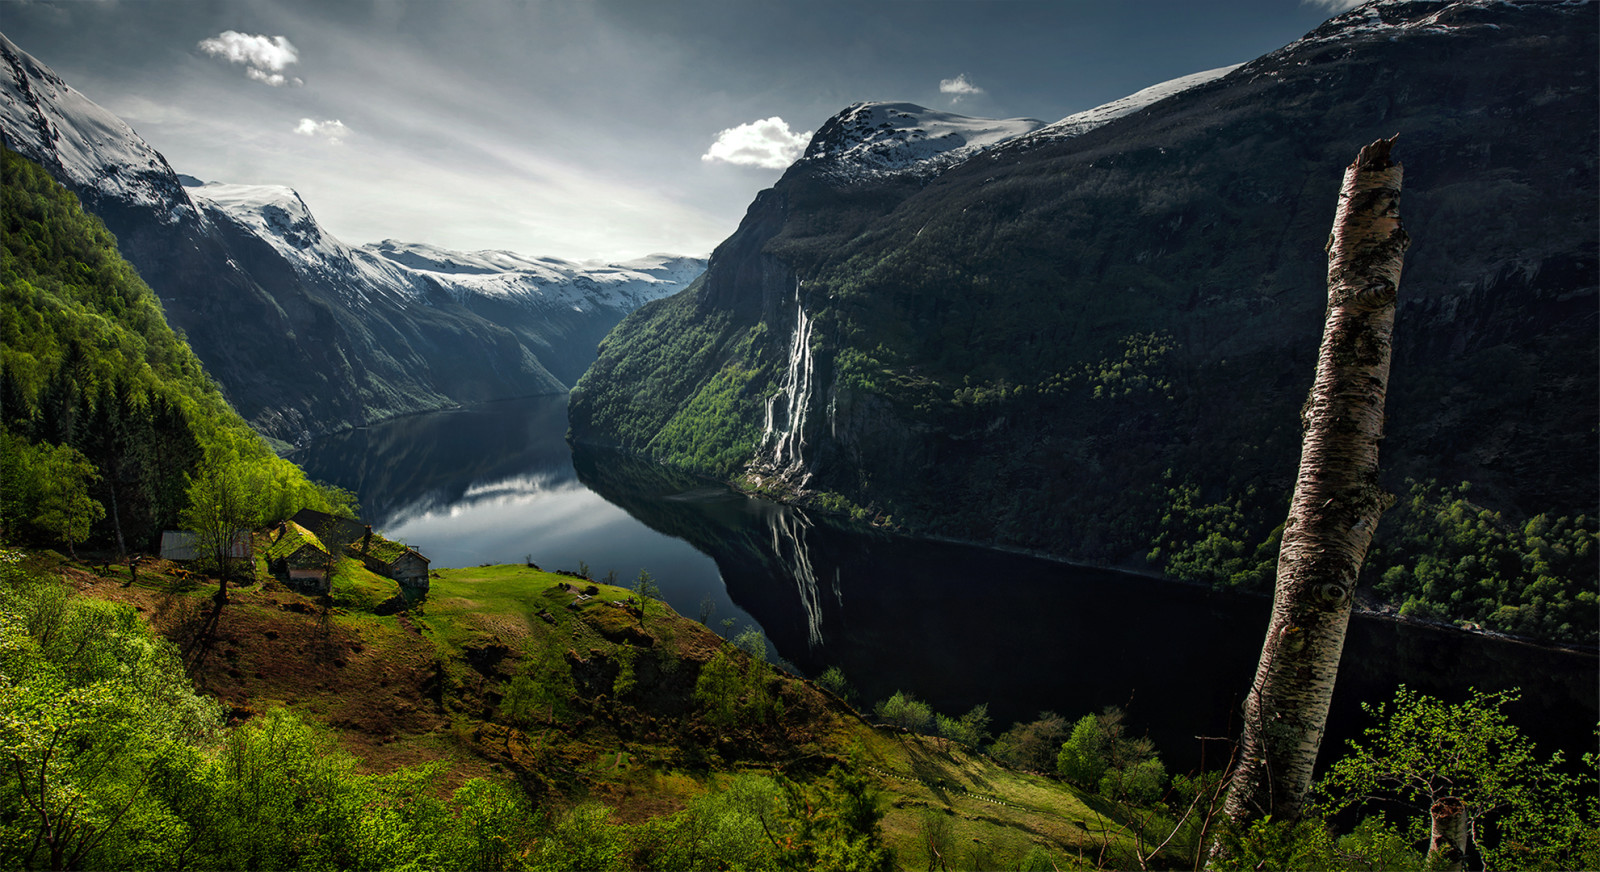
[(306, 334), (1093, 340)]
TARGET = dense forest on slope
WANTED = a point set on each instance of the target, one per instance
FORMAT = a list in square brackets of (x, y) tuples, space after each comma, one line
[(1097, 347), (105, 413)]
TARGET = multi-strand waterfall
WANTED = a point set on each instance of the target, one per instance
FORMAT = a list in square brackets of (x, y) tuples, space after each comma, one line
[(788, 529), (788, 440)]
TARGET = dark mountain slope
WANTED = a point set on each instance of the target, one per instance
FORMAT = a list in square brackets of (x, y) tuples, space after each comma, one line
[(304, 334), (1092, 345)]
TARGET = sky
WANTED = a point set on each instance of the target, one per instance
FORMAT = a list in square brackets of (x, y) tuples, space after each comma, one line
[(590, 129)]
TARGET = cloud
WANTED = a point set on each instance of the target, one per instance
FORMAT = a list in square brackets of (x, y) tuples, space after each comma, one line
[(768, 143), (333, 131), (959, 86), (1334, 5), (265, 57)]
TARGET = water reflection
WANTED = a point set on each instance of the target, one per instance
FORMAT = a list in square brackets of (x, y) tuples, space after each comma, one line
[(495, 484), (958, 625), (953, 624)]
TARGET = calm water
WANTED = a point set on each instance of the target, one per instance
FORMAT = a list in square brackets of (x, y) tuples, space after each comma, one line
[(955, 625)]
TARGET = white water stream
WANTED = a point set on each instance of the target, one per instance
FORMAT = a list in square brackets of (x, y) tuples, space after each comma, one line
[(788, 441)]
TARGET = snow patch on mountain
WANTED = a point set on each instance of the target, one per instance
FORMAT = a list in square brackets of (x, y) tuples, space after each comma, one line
[(874, 140), (543, 281), (51, 123), (411, 271), (1087, 120)]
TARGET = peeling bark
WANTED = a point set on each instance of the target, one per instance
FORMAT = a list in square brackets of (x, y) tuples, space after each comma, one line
[(1447, 845), (1337, 500)]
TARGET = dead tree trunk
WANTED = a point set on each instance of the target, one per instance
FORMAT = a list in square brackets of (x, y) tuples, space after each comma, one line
[(1336, 498)]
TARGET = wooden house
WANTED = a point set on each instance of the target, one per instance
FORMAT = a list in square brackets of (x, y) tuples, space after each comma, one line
[(392, 560), (296, 553)]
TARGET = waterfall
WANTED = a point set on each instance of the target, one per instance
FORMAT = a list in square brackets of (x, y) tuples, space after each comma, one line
[(789, 440), (788, 529)]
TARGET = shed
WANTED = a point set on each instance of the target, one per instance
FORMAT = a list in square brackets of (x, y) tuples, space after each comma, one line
[(185, 545), (298, 554)]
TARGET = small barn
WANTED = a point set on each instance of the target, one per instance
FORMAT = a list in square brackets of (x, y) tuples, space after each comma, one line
[(185, 545), (392, 560), (297, 554)]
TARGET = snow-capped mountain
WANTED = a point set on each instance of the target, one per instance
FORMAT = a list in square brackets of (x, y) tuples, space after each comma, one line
[(1080, 123), (412, 271), (51, 123), (305, 333), (870, 140)]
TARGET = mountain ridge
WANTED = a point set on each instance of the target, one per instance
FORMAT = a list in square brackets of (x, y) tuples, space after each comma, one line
[(306, 334), (1096, 346)]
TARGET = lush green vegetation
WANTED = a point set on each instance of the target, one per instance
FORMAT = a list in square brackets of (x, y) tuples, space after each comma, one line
[(105, 414), (1437, 556)]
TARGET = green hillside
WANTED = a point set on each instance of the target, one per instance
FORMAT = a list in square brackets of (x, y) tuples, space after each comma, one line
[(105, 413)]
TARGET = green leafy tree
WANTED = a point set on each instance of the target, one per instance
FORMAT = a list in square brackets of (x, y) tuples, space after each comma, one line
[(971, 729), (648, 592), (1100, 754), (1522, 810), (66, 509), (833, 679), (905, 711)]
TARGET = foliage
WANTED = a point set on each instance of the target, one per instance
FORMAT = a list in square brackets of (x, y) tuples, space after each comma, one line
[(1450, 559), (1210, 543), (905, 711), (1522, 811), (1101, 755), (971, 729), (88, 362), (833, 679), (1033, 745)]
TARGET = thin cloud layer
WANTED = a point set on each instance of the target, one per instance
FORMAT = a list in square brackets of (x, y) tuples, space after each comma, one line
[(264, 57), (768, 143), (333, 131), (959, 87)]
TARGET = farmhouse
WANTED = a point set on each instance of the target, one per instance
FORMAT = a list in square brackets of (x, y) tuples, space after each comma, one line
[(298, 553), (392, 560), (385, 557)]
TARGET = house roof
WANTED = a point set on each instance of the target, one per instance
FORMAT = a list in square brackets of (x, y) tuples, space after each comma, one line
[(293, 539)]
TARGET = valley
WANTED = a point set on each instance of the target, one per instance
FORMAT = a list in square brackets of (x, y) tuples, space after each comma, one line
[(933, 521)]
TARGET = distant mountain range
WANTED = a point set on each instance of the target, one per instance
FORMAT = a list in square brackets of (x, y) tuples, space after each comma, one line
[(306, 334), (1092, 338)]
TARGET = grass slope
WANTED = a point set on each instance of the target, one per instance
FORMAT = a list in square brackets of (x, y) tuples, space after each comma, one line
[(447, 682)]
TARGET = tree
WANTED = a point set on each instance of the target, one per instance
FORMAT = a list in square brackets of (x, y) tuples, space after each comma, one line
[(1100, 754), (647, 590), (65, 508), (1471, 781), (1336, 501), (905, 711), (220, 505)]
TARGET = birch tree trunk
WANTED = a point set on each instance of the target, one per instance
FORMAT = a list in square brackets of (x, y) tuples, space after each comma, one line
[(1447, 843), (1337, 500)]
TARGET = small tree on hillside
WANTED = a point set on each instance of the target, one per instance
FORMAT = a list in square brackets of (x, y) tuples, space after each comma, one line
[(220, 505), (65, 508)]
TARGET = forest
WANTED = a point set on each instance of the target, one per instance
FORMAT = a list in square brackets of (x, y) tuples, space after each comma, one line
[(110, 425)]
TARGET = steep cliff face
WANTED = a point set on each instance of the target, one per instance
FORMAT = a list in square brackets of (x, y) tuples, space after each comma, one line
[(305, 334), (1044, 342)]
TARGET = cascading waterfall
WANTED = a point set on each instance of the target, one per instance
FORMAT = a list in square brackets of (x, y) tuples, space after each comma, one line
[(789, 545), (788, 441)]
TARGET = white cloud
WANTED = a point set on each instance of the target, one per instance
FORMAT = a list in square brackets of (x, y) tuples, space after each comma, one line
[(1334, 5), (959, 86), (265, 57), (768, 143), (334, 131)]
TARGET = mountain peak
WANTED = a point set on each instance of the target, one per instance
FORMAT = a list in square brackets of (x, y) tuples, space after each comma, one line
[(870, 140)]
